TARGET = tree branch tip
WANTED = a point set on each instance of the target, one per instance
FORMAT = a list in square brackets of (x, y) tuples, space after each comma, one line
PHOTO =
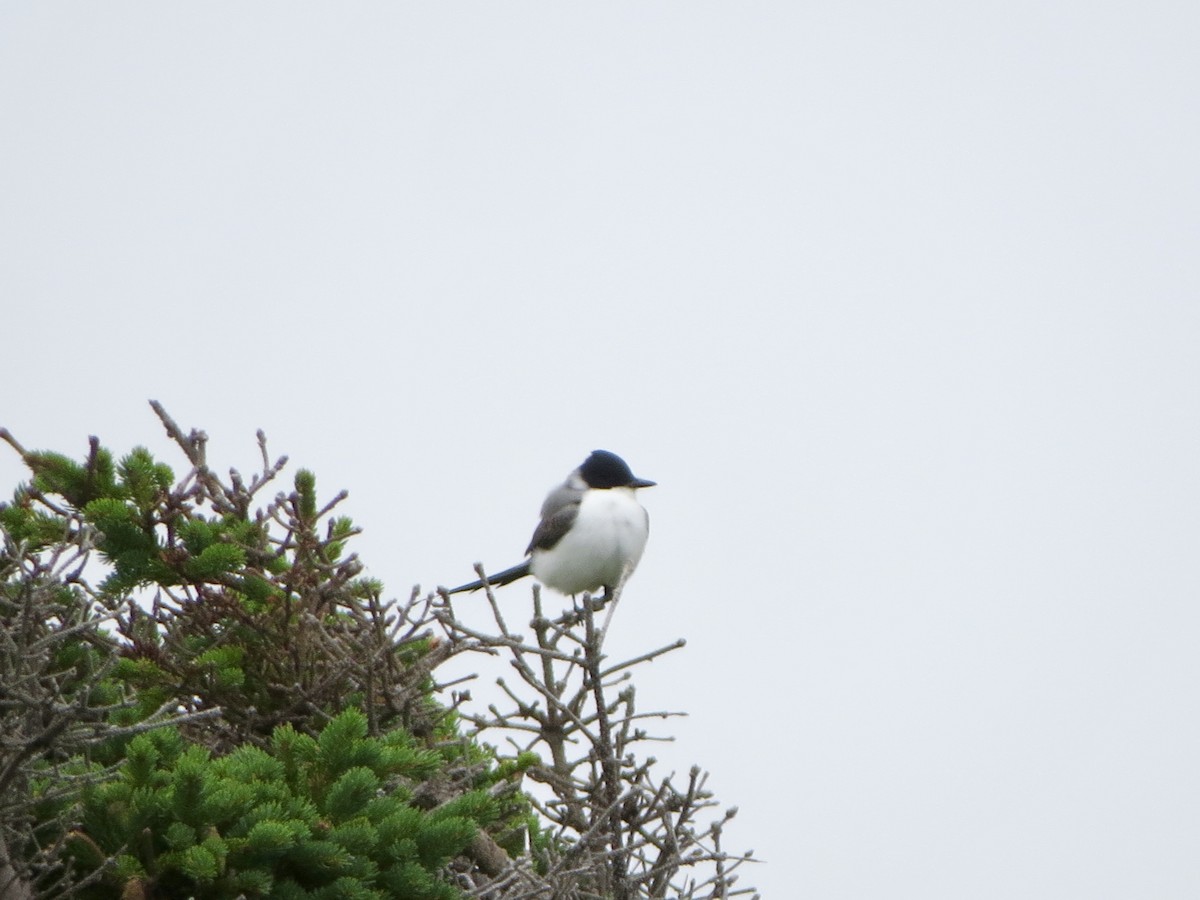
[(8, 438)]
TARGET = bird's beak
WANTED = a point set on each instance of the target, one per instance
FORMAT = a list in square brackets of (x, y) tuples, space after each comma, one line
[(642, 482)]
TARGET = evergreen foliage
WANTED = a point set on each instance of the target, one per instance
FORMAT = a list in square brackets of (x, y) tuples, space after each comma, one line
[(324, 817), (305, 755)]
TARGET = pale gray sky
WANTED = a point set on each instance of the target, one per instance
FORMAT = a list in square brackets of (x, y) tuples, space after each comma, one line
[(900, 304)]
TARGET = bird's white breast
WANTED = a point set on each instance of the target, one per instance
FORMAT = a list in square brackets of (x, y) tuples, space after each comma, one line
[(603, 545)]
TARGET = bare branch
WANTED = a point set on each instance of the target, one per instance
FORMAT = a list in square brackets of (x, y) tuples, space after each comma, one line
[(620, 832)]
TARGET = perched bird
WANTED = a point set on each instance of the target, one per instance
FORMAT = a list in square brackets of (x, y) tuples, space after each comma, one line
[(592, 532)]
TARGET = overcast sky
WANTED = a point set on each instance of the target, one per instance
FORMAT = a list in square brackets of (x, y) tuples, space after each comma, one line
[(900, 304)]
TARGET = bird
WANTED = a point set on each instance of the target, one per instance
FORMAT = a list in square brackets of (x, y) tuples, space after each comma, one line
[(591, 534)]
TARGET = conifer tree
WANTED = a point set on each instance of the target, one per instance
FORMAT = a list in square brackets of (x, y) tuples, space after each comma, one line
[(202, 696)]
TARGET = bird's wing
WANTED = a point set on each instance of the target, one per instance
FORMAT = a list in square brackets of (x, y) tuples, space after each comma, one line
[(558, 514)]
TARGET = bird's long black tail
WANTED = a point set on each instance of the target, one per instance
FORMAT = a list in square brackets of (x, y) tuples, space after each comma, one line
[(518, 571)]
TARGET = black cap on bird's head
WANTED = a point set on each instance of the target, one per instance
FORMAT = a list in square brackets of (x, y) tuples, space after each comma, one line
[(607, 470)]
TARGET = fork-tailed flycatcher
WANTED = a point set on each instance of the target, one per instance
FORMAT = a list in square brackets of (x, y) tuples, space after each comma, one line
[(592, 532)]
